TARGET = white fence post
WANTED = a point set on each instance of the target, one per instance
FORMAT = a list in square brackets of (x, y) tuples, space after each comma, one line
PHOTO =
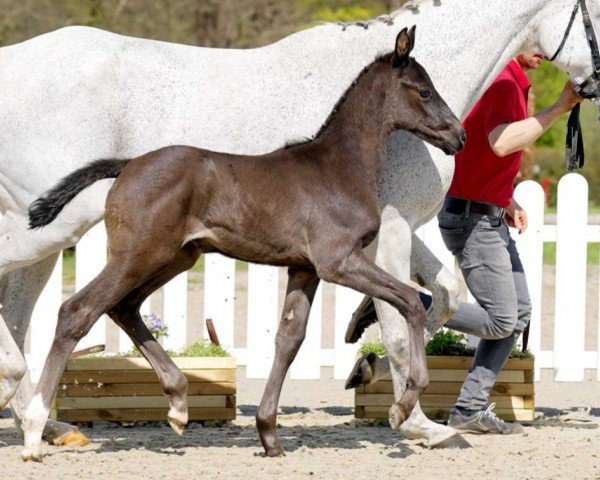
[(307, 364), (344, 354), (43, 321), (571, 263), (175, 312), (263, 285), (530, 244), (90, 259), (219, 292)]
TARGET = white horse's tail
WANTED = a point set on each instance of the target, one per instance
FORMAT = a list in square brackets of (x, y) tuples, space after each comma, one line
[(46, 208)]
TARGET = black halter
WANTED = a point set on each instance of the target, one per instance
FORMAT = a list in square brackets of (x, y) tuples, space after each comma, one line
[(589, 88)]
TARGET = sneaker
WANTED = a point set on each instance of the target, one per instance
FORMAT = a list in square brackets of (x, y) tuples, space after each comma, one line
[(484, 421)]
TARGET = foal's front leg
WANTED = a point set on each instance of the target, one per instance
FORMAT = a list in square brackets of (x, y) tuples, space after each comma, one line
[(360, 273), (302, 285)]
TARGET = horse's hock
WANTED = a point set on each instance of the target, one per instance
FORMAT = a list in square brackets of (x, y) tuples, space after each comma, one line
[(127, 389), (513, 392)]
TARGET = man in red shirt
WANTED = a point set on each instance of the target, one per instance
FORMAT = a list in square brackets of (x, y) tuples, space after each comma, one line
[(474, 223)]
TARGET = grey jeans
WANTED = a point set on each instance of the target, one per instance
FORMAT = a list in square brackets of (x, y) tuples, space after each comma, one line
[(493, 272)]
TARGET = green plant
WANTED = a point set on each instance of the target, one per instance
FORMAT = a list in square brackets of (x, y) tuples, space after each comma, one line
[(372, 347), (444, 342), (202, 349), (447, 342)]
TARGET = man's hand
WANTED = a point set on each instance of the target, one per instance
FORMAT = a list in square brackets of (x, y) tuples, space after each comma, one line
[(568, 98), (515, 216), (512, 137)]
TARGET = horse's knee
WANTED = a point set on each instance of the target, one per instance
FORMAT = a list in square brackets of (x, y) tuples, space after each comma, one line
[(292, 331), (414, 310), (75, 319)]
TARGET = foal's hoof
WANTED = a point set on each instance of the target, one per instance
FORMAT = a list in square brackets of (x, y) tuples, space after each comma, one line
[(32, 454), (73, 438), (274, 452), (364, 316), (362, 372), (177, 425), (397, 416)]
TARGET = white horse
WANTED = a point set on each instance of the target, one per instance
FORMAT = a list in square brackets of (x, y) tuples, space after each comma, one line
[(79, 94)]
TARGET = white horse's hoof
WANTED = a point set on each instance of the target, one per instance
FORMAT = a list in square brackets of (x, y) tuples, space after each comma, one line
[(447, 439), (177, 426), (32, 454), (73, 438)]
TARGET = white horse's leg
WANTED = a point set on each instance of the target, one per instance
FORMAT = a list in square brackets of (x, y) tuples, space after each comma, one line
[(12, 366), (19, 291), (393, 254), (430, 273)]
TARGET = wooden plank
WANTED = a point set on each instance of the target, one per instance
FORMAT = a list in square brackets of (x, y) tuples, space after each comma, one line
[(84, 403), (452, 388), (141, 376), (456, 363), (436, 413), (140, 363), (513, 376), (436, 400), (133, 415), (139, 389)]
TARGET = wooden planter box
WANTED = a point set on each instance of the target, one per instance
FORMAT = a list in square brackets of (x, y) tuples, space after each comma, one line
[(513, 392), (127, 389)]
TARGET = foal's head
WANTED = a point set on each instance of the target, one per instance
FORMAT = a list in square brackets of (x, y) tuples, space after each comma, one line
[(412, 102)]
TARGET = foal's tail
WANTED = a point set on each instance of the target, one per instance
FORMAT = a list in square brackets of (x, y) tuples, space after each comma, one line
[(46, 208)]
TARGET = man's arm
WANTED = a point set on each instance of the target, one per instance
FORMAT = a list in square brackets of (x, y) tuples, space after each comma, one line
[(512, 137)]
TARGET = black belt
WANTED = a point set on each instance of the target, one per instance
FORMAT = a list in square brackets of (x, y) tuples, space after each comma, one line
[(460, 205)]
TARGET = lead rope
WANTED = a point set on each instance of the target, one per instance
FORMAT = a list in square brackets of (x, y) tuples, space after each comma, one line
[(575, 154)]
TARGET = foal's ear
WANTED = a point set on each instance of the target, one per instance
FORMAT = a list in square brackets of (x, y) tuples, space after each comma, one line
[(405, 41)]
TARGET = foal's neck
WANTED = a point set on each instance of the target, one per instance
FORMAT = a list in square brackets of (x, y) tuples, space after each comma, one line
[(358, 131)]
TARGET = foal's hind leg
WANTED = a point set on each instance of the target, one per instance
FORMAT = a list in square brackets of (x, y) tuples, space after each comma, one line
[(126, 314), (76, 317), (302, 285)]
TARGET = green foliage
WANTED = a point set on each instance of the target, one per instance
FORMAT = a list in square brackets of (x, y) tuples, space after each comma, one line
[(202, 349), (518, 353), (444, 342), (548, 82), (199, 349), (372, 347), (447, 342), (344, 14)]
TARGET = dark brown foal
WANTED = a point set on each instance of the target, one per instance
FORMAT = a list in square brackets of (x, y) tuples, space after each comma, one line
[(312, 207)]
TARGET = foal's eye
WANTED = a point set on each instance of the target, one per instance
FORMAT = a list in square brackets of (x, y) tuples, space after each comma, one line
[(425, 93)]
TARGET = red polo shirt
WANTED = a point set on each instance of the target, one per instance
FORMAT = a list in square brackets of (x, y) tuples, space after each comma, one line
[(480, 174)]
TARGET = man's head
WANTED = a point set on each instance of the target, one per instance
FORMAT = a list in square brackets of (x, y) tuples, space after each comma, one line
[(530, 60)]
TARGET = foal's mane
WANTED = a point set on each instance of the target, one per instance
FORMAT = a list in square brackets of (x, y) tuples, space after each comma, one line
[(381, 58)]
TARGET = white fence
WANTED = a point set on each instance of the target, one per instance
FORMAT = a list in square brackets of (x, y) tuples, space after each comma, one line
[(568, 357)]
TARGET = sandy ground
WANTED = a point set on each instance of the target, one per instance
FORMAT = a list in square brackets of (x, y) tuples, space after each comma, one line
[(320, 435), (322, 440)]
